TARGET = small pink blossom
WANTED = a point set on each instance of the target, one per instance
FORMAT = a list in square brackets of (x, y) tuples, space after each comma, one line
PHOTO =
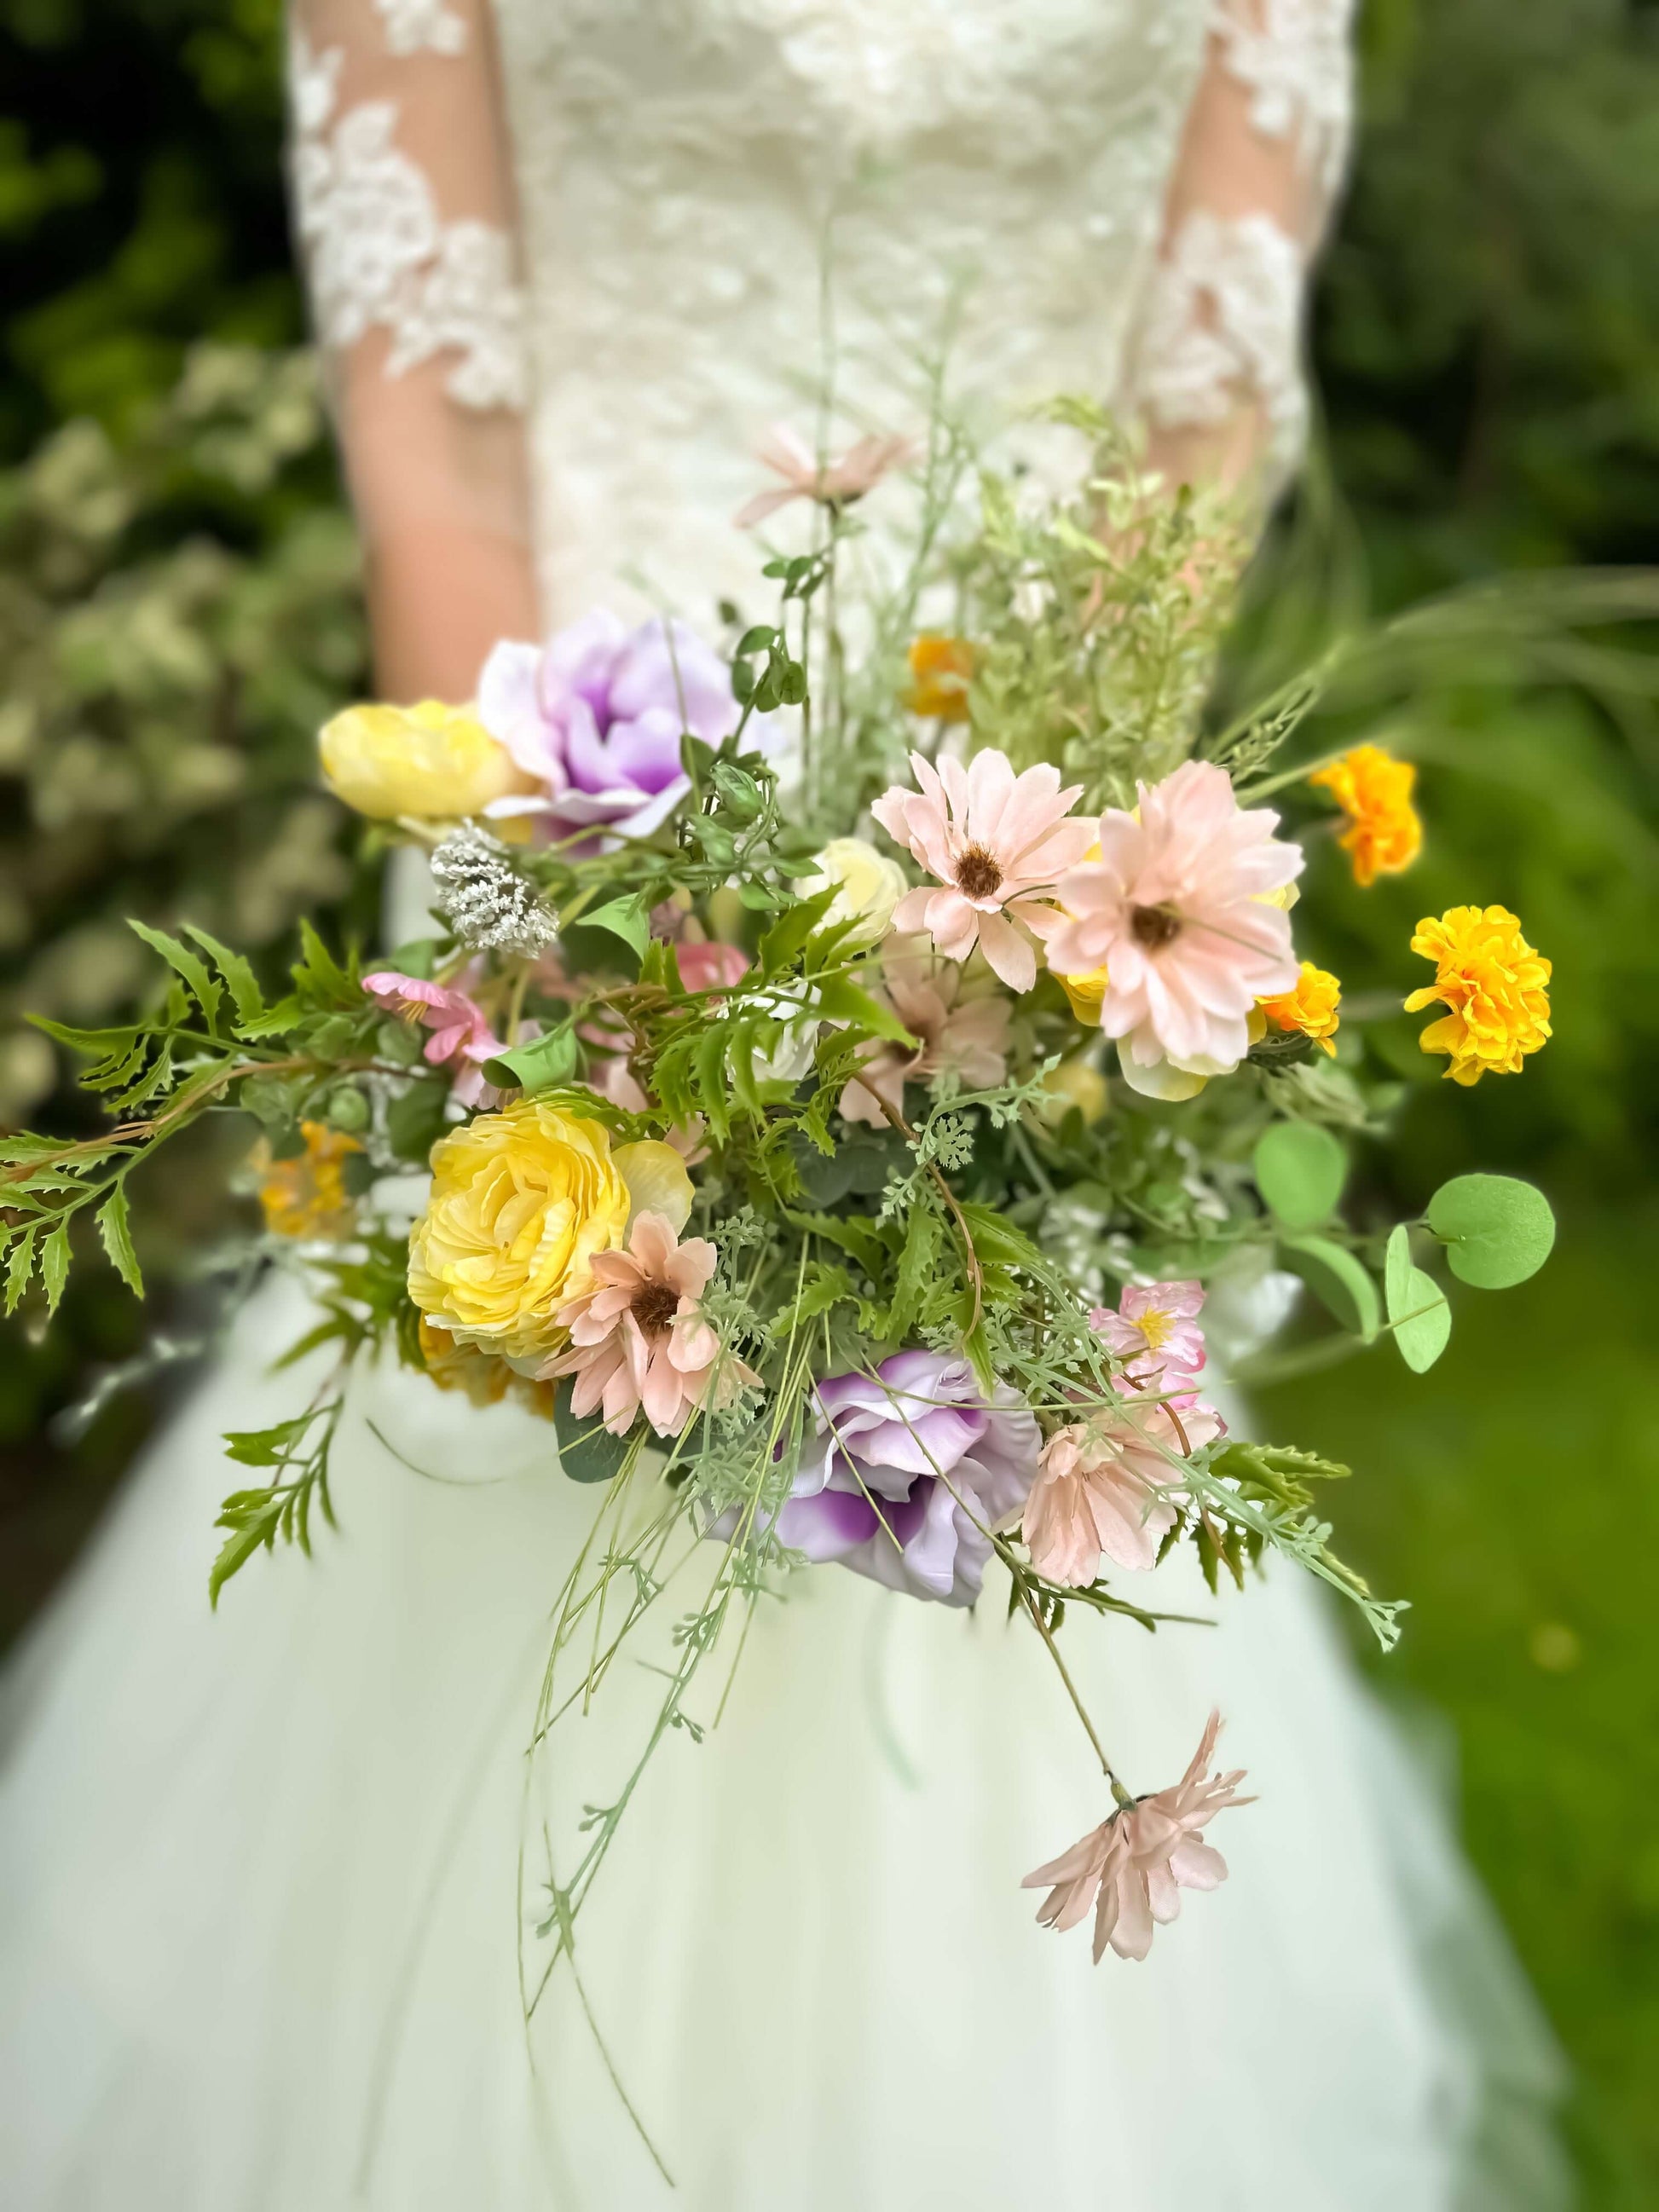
[(1108, 1487), (966, 1038), (1173, 909), (835, 482), (710, 965), (640, 1338), (1134, 1868), (461, 1038), (1156, 1333), (995, 841)]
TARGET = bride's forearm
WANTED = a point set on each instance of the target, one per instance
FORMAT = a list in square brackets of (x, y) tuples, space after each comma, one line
[(439, 597)]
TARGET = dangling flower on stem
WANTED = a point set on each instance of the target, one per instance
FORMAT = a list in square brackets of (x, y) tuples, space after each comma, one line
[(1494, 982), (835, 482), (461, 1040), (996, 842), (1132, 1869), (1384, 834)]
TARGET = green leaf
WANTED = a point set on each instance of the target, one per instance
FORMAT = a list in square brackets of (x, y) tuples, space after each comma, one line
[(587, 1450), (543, 1064), (1417, 1306), (20, 1266), (250, 1528), (106, 1043), (790, 932), (841, 999), (625, 918), (826, 1285), (320, 980), (996, 1240), (1497, 1230), (1337, 1281), (415, 1120), (116, 1229), (1300, 1170), (755, 640), (55, 1264), (244, 984), (195, 973)]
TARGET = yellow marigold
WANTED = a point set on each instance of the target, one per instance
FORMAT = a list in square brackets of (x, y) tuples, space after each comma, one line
[(456, 1365), (1494, 983), (1310, 1007), (306, 1196), (521, 1201), (1374, 790), (942, 669), (434, 761)]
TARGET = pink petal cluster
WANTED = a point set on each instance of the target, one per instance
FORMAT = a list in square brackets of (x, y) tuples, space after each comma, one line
[(461, 1038), (706, 964), (1091, 1500), (1155, 1334), (997, 843), (835, 482), (967, 1037), (639, 1337), (1173, 910), (1134, 1868)]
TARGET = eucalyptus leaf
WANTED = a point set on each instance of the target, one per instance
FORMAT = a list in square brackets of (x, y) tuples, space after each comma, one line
[(542, 1064), (587, 1450), (1417, 1306), (1337, 1281), (1300, 1168), (1497, 1231)]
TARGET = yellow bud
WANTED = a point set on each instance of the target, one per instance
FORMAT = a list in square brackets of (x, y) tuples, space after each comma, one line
[(434, 761)]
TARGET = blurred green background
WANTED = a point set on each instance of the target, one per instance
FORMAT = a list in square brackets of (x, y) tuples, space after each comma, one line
[(178, 608)]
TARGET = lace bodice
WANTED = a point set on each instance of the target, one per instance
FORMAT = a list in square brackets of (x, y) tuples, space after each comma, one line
[(1046, 172)]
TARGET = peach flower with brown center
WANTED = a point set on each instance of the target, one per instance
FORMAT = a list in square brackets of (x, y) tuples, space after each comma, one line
[(639, 1337), (966, 1036)]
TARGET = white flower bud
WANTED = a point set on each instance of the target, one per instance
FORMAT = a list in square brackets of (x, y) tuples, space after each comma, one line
[(868, 887)]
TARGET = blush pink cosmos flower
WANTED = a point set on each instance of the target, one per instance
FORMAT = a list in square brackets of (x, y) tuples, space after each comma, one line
[(967, 1037), (837, 482), (640, 1338), (461, 1038), (1107, 1488), (1155, 1333), (1134, 1868), (996, 842), (1173, 910)]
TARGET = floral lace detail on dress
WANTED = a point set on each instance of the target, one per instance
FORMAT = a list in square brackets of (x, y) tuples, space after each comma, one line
[(1222, 321), (379, 257), (1295, 58), (412, 26)]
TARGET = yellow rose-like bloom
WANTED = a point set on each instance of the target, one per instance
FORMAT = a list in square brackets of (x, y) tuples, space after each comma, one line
[(867, 885), (1310, 1007), (306, 1196), (434, 761), (1374, 790), (1494, 983), (454, 1364), (521, 1201), (942, 668)]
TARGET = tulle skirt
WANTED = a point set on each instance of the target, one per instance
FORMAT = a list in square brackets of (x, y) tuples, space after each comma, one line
[(262, 1915)]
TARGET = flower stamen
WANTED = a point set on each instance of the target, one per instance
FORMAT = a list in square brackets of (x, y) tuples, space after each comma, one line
[(978, 875), (1153, 927)]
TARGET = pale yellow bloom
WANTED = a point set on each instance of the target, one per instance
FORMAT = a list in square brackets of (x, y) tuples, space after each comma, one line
[(521, 1201), (436, 763), (1374, 790), (1310, 1007), (868, 886), (1494, 983), (1074, 1083), (306, 1196)]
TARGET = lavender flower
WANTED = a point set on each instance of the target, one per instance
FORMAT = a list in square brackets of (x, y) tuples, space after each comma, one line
[(909, 1467), (595, 717)]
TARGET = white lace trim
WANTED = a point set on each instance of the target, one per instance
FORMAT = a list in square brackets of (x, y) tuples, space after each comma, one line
[(414, 26), (379, 256), (1295, 58), (1223, 318)]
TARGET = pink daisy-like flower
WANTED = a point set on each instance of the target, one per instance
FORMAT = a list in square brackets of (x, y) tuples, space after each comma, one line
[(461, 1038), (640, 1338), (996, 842), (1155, 1333), (968, 1036), (1174, 910), (835, 482), (1134, 1868)]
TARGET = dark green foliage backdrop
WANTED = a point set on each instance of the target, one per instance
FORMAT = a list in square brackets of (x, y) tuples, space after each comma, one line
[(177, 603)]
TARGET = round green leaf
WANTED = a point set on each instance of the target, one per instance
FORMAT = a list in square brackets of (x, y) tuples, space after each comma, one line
[(1337, 1281), (1300, 1170), (1497, 1231), (587, 1450), (1417, 1306)]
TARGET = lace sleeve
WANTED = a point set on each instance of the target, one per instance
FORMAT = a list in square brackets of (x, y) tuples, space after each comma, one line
[(1216, 366), (404, 211)]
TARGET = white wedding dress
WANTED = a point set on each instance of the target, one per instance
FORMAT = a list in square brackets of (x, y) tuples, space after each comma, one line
[(259, 1918)]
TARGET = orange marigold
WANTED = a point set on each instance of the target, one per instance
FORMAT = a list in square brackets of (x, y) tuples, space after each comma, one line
[(943, 668), (1494, 983), (1374, 790), (1310, 1007), (306, 1196)]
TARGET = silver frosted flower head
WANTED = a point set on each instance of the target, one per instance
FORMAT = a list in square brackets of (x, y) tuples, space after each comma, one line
[(490, 906)]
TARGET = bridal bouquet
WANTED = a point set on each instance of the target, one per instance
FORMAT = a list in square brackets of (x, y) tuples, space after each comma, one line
[(862, 1081)]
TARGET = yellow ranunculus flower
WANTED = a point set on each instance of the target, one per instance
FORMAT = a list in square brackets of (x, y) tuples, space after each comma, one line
[(521, 1201), (434, 761), (305, 1196)]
